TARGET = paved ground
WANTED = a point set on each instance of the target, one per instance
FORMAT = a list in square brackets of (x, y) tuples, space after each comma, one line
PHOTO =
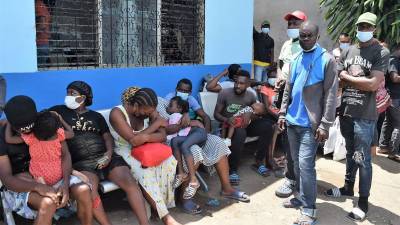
[(265, 208)]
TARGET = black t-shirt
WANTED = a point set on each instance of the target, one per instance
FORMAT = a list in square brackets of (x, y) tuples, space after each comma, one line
[(18, 154), (88, 144), (394, 88), (360, 62), (263, 47)]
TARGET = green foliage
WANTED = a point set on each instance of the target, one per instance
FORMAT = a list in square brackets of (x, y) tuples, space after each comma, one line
[(342, 16)]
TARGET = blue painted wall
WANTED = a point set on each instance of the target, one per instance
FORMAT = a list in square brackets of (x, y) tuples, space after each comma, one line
[(229, 31), (49, 88), (17, 36)]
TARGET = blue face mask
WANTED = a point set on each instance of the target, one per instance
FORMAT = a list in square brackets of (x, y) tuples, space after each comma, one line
[(183, 95), (365, 36), (293, 33), (265, 30), (344, 46)]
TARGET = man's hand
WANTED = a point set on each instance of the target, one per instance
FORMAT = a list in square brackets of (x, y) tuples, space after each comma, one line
[(321, 135), (281, 124), (63, 192), (225, 72), (47, 191), (279, 83), (185, 120)]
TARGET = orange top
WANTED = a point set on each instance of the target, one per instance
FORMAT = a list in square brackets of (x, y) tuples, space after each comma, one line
[(45, 157), (43, 20), (268, 91)]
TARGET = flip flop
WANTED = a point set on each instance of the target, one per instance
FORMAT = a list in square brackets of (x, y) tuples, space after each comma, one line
[(237, 195), (261, 170), (357, 215), (190, 190), (305, 220), (292, 203), (191, 208), (179, 179)]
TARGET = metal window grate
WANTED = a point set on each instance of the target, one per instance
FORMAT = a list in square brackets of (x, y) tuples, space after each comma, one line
[(118, 33)]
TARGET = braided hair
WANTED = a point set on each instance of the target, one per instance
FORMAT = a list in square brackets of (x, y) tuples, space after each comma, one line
[(140, 96)]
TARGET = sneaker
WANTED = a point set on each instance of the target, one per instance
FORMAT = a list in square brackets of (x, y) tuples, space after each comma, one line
[(286, 189), (228, 142)]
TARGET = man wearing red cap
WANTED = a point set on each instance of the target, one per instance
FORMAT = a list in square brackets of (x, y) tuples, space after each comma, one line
[(289, 50)]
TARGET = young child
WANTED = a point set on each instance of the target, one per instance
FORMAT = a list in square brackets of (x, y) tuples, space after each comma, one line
[(177, 106), (181, 143), (46, 147), (256, 108)]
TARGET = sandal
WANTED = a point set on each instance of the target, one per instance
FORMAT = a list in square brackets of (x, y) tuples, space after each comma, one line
[(179, 179), (191, 208), (292, 203), (261, 170), (237, 195), (394, 157), (305, 220), (357, 215), (337, 193), (190, 190), (234, 179)]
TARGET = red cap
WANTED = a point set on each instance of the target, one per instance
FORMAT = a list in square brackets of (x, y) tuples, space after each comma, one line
[(297, 14)]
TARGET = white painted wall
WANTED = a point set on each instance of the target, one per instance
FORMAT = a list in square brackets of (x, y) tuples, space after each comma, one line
[(228, 31), (17, 36)]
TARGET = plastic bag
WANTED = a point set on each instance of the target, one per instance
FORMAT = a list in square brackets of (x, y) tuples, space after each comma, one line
[(330, 143), (340, 151)]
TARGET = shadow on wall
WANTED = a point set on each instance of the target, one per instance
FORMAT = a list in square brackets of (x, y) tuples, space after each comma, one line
[(274, 11)]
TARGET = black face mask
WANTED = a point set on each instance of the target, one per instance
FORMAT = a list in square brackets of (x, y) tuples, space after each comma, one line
[(142, 117)]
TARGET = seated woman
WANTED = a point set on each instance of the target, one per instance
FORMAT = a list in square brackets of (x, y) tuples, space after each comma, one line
[(133, 124), (92, 151), (213, 153)]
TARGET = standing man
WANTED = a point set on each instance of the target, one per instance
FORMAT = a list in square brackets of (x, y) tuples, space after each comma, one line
[(289, 50), (344, 43), (308, 110), (361, 70), (388, 138), (263, 52)]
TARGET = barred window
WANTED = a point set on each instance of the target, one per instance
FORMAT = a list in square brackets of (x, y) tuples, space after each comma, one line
[(118, 33)]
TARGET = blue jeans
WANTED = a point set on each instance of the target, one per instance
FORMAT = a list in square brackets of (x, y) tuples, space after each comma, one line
[(389, 136), (261, 73), (358, 134), (303, 148)]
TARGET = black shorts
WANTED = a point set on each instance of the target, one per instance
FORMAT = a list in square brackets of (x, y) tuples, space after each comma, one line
[(116, 161)]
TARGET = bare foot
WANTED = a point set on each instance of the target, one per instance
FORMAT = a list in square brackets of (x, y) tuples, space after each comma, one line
[(169, 220)]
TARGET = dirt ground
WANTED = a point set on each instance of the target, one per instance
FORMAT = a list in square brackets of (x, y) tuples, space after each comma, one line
[(266, 208)]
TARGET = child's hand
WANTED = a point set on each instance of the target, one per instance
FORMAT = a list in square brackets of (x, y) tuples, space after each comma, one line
[(63, 191), (196, 123)]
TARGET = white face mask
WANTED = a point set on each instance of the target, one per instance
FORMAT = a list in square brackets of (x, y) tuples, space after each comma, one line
[(293, 33), (183, 95), (70, 102), (344, 46), (311, 49), (365, 36), (265, 30)]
